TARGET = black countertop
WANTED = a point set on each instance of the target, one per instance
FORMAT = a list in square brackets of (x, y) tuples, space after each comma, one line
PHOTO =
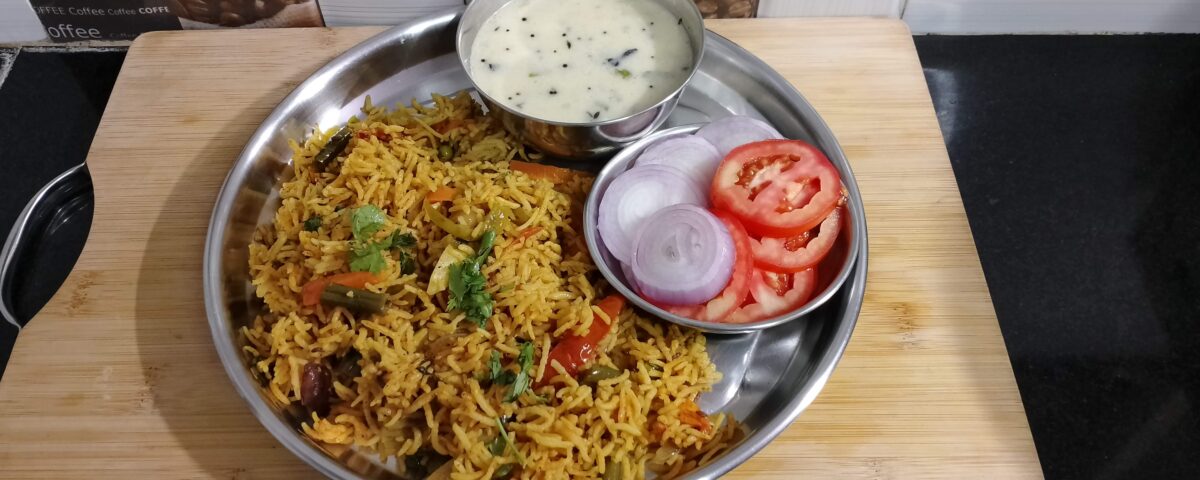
[(1077, 159), (50, 105)]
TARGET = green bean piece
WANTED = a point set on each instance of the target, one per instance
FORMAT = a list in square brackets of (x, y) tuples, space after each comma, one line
[(360, 301), (612, 470), (445, 151), (594, 375), (332, 148)]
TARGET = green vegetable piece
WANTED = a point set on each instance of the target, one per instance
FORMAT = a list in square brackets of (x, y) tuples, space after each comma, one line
[(623, 73), (506, 378), (353, 299), (467, 294), (612, 470), (531, 74), (332, 148), (312, 224), (497, 446), (408, 264), (498, 219), (486, 242), (467, 284), (367, 257), (366, 220), (439, 278), (596, 374), (520, 384), (508, 442), (444, 223), (522, 381), (525, 358), (402, 240), (504, 472), (494, 366), (445, 151)]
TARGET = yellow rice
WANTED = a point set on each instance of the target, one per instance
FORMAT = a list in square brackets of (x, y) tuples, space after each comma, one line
[(544, 287)]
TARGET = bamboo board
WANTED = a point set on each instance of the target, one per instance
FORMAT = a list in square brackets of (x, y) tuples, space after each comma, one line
[(118, 377)]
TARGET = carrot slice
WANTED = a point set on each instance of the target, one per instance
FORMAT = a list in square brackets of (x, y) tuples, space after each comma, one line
[(555, 175), (528, 232), (311, 293), (690, 414), (442, 194), (447, 125)]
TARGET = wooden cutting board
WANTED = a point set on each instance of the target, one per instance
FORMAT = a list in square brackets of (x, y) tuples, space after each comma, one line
[(118, 377)]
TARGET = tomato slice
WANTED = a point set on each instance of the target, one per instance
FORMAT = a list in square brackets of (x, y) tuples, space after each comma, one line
[(775, 294), (575, 351), (801, 252), (737, 289), (777, 188)]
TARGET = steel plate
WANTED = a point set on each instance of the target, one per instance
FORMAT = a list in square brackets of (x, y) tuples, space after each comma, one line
[(769, 376)]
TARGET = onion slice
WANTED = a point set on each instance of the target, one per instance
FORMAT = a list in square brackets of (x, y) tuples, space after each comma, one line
[(627, 272), (694, 155), (728, 133), (683, 255), (636, 194)]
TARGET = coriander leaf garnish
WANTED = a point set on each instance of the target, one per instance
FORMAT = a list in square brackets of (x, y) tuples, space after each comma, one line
[(367, 257), (508, 442), (402, 240), (467, 284), (467, 293), (504, 472), (408, 264), (366, 220), (497, 446), (623, 73), (494, 365), (312, 224), (522, 381)]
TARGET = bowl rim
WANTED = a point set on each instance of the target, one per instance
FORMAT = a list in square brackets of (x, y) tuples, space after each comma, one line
[(625, 159), (695, 19)]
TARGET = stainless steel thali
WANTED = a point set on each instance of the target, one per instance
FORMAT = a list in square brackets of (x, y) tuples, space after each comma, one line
[(770, 377)]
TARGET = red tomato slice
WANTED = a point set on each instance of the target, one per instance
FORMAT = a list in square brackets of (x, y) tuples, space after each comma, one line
[(574, 351), (737, 289), (775, 294), (777, 188), (801, 252)]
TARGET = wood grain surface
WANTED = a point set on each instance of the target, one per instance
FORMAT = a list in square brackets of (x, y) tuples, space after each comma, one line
[(118, 376)]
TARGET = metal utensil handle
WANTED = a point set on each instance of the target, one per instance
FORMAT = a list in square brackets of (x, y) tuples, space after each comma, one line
[(55, 194)]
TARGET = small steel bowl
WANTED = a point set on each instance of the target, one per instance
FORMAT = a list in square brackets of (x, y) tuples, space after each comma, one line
[(843, 255), (586, 140)]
